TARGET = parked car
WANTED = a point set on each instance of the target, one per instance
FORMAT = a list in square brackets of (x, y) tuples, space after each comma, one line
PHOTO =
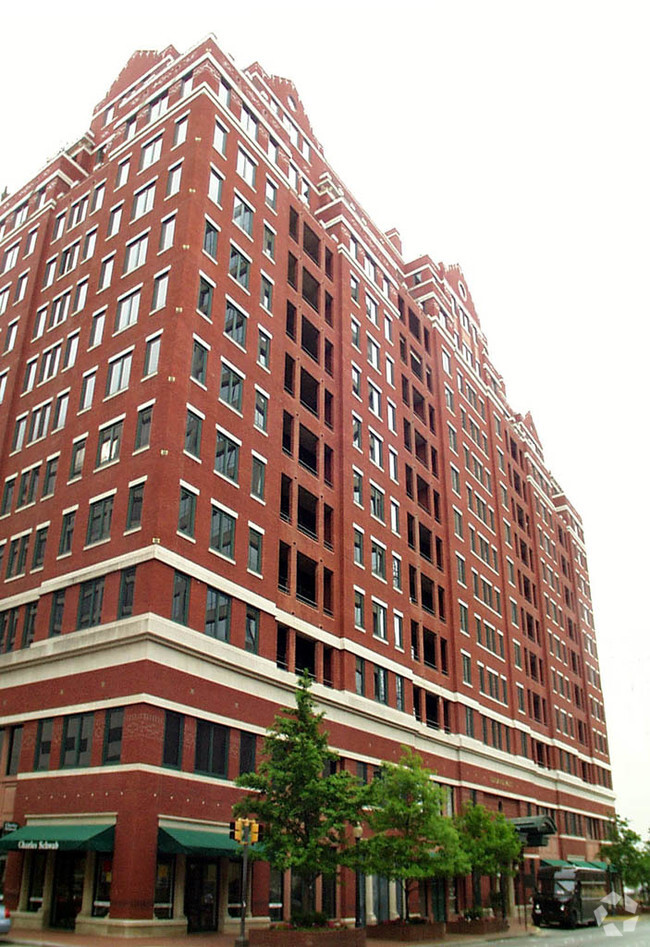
[(5, 919)]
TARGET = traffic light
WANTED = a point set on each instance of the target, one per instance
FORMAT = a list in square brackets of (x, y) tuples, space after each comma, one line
[(255, 832), (237, 830)]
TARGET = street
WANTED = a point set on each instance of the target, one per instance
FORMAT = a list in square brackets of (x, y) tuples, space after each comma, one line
[(588, 936)]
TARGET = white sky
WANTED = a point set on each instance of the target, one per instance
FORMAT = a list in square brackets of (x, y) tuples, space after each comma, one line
[(510, 136)]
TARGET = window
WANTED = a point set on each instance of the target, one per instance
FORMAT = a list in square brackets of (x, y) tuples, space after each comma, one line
[(357, 487), (260, 420), (106, 273), (231, 387), (193, 428), (167, 233), (378, 559), (135, 254), (239, 267), (358, 546), (122, 175), (181, 597), (377, 502), (143, 428), (258, 475), (159, 295), (186, 512), (134, 508), (77, 740), (77, 458), (150, 153), (255, 541), (119, 371), (380, 680), (243, 215), (379, 620), (113, 735), (397, 572), (266, 293), (210, 234), (359, 609), (173, 740), (152, 356), (467, 668), (376, 448), (99, 520), (174, 180), (114, 221), (40, 540), (222, 532), (220, 137), (373, 353), (127, 311), (215, 185), (263, 349), (226, 460), (87, 390), (246, 167), (7, 496), (91, 596), (271, 194), (211, 756), (269, 242), (108, 444), (10, 337), (180, 128), (43, 744), (206, 292), (67, 531), (235, 324), (360, 677), (199, 368)]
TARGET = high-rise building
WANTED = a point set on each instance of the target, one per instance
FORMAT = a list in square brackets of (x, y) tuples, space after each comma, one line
[(242, 437)]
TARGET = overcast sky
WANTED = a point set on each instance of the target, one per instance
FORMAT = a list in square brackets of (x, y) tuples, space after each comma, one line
[(505, 135)]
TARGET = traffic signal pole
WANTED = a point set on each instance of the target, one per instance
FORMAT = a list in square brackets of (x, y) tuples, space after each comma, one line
[(242, 940)]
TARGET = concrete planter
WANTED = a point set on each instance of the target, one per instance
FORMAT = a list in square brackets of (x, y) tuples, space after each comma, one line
[(401, 932), (332, 937), (481, 925)]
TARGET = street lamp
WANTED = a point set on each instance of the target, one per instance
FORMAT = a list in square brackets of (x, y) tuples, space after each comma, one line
[(357, 831)]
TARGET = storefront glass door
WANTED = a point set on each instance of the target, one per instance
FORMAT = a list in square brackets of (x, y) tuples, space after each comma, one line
[(202, 895), (69, 869)]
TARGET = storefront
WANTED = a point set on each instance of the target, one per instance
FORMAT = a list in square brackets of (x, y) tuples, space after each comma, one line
[(67, 871)]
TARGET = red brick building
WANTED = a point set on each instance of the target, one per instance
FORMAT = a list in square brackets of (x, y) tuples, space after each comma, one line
[(241, 437)]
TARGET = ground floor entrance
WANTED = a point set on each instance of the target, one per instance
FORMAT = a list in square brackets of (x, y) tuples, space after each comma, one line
[(202, 894), (67, 888)]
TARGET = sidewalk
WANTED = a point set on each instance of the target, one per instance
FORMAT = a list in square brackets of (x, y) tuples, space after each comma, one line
[(27, 938)]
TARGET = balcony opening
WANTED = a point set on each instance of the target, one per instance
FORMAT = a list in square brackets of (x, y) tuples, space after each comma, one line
[(416, 365), (311, 243), (328, 529), (329, 357), (291, 320), (430, 648), (292, 271), (286, 489), (410, 529), (284, 554), (307, 513), (415, 641), (310, 339), (287, 433), (414, 325), (421, 451), (328, 579), (329, 408), (426, 545), (306, 579), (310, 289), (289, 374), (432, 710), (419, 405), (328, 465), (417, 703), (427, 589), (328, 666), (442, 613), (308, 450), (293, 223), (309, 391), (413, 584), (282, 647), (305, 655), (423, 494), (329, 303)]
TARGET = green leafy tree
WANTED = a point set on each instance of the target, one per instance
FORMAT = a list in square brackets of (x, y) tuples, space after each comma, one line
[(627, 854), (303, 806), (411, 837), (491, 844)]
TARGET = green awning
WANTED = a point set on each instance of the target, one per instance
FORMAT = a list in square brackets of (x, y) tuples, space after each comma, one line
[(556, 863), (61, 836), (173, 841), (581, 863), (604, 866)]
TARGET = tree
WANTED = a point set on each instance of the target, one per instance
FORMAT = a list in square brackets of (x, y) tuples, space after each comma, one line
[(626, 853), (411, 837), (303, 805), (491, 845)]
